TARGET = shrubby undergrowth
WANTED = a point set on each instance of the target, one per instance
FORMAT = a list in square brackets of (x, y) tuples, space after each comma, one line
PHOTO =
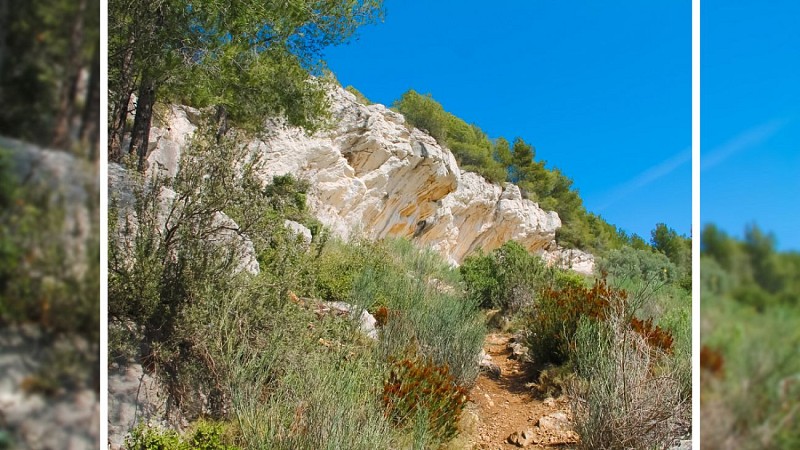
[(257, 352), (620, 346)]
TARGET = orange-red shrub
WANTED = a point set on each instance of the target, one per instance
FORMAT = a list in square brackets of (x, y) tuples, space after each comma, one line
[(416, 386), (653, 334)]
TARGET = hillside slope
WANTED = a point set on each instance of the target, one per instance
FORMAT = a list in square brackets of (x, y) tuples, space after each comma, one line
[(373, 175)]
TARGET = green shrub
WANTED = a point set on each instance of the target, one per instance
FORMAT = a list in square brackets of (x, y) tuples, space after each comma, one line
[(555, 319), (339, 264), (508, 278), (203, 436), (629, 262)]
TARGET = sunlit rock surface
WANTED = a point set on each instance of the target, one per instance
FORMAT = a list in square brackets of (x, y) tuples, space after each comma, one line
[(372, 175)]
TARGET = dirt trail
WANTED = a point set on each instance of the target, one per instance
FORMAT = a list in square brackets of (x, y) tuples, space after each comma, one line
[(505, 405)]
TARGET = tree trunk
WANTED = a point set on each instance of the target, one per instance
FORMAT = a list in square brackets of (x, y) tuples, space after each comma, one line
[(222, 122), (3, 33), (90, 123), (72, 68), (119, 107), (140, 135)]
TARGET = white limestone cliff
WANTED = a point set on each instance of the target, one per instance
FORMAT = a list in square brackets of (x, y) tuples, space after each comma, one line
[(372, 175)]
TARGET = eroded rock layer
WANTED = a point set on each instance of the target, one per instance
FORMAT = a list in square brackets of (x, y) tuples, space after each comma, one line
[(372, 175)]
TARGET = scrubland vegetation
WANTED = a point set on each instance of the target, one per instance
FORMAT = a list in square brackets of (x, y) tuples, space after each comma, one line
[(256, 358), (750, 311)]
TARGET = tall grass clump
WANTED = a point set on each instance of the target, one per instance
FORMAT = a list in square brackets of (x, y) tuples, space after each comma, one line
[(424, 319), (630, 390)]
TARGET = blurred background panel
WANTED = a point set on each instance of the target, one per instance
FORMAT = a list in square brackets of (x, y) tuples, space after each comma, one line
[(50, 73), (750, 263), (49, 224)]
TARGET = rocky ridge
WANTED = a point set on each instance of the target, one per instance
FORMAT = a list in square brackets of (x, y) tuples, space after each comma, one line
[(372, 175)]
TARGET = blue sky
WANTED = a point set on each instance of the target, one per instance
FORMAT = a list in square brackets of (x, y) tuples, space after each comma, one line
[(750, 117), (601, 89)]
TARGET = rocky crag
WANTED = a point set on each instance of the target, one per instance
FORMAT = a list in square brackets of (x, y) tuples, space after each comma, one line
[(373, 175)]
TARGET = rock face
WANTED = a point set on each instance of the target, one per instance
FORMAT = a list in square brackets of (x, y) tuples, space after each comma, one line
[(67, 419), (122, 187), (67, 415), (374, 176), (135, 397), (70, 185)]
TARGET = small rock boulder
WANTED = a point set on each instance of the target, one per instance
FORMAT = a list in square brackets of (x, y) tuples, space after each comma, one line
[(487, 366), (522, 438), (366, 321)]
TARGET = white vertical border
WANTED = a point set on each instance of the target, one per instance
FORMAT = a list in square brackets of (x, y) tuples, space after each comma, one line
[(103, 225), (696, 224)]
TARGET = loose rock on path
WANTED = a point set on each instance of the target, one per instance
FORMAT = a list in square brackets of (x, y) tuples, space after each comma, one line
[(508, 415)]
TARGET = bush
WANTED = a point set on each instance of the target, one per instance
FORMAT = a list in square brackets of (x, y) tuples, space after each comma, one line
[(627, 394), (418, 388), (629, 262), (203, 436), (339, 265), (557, 314), (508, 278)]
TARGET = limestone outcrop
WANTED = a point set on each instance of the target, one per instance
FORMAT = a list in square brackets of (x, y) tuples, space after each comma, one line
[(121, 190), (373, 175)]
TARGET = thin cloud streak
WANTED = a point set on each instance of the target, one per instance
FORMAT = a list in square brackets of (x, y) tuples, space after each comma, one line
[(750, 138), (647, 177)]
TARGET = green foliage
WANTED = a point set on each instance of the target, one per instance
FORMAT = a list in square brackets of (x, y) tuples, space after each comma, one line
[(36, 281), (508, 278), (359, 96), (502, 152), (749, 304), (203, 436), (416, 388), (522, 165), (677, 248), (340, 264), (629, 262), (423, 112), (37, 63), (249, 63), (471, 147), (9, 249)]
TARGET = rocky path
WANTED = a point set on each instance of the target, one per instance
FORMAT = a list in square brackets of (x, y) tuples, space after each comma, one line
[(507, 412)]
